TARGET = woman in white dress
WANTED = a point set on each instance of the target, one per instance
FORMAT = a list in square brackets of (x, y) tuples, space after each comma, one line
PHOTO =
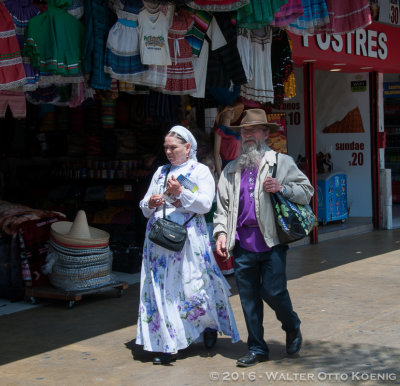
[(183, 295)]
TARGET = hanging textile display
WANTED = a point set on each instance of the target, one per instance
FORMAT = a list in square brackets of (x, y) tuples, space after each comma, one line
[(287, 13), (205, 35), (258, 13), (54, 41), (314, 17), (225, 68), (346, 16), (98, 20), (122, 55), (255, 51), (180, 74), (22, 11), (154, 49), (12, 73)]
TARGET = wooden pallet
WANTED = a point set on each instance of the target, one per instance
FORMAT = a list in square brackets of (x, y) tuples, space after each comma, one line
[(49, 292)]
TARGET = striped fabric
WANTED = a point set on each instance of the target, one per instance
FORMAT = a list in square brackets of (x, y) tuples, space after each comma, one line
[(315, 16), (196, 34), (22, 11), (12, 73)]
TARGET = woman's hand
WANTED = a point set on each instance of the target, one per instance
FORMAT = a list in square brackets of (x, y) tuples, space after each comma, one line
[(173, 186), (271, 185), (155, 201)]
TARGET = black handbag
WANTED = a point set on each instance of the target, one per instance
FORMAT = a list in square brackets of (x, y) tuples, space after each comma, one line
[(169, 234), (293, 221)]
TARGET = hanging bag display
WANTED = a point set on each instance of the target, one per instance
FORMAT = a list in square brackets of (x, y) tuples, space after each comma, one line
[(293, 221), (168, 234)]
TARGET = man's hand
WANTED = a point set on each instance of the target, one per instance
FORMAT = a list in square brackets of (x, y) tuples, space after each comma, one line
[(271, 185), (220, 246)]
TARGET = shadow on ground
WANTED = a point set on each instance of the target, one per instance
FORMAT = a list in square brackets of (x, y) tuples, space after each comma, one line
[(46, 328)]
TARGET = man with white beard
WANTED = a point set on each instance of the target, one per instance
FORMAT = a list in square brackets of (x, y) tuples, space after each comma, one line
[(244, 226)]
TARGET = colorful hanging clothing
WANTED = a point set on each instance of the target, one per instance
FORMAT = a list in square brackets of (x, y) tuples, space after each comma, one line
[(258, 13), (12, 73), (22, 11), (54, 40), (203, 37), (281, 63), (225, 67), (122, 56), (255, 50), (217, 5), (154, 49), (287, 13), (180, 74), (346, 16), (314, 17), (197, 32), (98, 20)]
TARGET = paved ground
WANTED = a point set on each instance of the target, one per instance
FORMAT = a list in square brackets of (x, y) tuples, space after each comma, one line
[(346, 291)]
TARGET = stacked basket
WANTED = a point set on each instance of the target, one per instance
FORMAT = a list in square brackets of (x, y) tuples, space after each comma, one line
[(79, 256)]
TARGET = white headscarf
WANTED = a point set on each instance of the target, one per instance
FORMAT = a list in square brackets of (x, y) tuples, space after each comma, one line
[(188, 137)]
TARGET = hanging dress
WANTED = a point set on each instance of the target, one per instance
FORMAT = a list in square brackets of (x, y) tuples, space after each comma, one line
[(12, 73), (122, 56), (346, 16), (314, 17), (287, 13), (255, 50), (22, 11), (180, 74), (54, 41), (182, 293), (258, 13)]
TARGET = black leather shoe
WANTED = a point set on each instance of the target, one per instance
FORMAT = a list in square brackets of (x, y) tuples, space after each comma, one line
[(293, 341), (210, 338), (251, 359), (164, 359)]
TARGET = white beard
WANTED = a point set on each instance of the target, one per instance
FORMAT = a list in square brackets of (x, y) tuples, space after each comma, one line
[(251, 155)]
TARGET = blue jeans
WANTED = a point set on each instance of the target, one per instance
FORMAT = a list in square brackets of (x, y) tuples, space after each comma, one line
[(262, 276)]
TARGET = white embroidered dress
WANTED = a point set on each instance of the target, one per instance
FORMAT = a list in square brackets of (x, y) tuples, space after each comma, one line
[(182, 293)]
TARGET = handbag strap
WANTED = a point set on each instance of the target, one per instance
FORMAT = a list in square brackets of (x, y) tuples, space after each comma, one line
[(165, 183), (275, 166)]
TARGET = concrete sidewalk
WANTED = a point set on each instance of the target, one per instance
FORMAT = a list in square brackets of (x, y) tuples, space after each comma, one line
[(346, 292)]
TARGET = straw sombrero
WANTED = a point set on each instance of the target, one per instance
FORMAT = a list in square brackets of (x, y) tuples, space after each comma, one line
[(237, 112), (78, 234)]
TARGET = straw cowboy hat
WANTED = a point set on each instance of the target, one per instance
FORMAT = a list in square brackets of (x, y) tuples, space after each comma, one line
[(254, 117), (78, 234), (237, 112)]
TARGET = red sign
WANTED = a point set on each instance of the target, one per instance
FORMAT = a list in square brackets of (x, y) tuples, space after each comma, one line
[(375, 48)]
